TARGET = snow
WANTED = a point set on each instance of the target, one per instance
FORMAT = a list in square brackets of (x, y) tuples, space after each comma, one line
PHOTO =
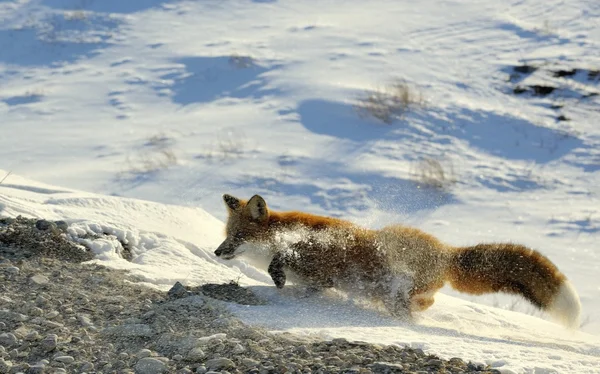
[(172, 243), (157, 108)]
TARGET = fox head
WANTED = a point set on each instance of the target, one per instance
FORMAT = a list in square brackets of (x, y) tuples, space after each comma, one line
[(247, 223)]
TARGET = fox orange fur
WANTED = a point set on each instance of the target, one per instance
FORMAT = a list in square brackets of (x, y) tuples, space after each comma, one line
[(324, 252)]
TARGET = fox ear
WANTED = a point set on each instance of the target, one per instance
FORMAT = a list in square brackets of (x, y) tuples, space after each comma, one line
[(257, 207), (233, 203)]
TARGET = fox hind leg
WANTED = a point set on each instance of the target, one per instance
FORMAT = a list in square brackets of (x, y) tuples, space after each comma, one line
[(421, 299)]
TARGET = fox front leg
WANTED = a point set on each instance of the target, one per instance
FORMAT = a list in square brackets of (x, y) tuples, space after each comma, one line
[(276, 270)]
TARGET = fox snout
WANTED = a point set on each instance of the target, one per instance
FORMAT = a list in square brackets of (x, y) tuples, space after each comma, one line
[(226, 249)]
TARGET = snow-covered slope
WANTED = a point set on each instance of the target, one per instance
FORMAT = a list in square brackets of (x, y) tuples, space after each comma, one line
[(177, 102), (173, 243)]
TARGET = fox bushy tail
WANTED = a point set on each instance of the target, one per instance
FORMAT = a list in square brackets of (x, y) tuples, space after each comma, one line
[(515, 269)]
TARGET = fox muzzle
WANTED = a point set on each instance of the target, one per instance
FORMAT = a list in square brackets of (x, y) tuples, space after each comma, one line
[(227, 249)]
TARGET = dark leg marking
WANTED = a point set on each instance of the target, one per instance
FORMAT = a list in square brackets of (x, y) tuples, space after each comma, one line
[(276, 270)]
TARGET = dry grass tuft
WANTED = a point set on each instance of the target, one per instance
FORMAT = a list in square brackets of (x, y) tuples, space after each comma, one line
[(231, 145), (390, 102), (240, 61), (433, 173), (155, 155)]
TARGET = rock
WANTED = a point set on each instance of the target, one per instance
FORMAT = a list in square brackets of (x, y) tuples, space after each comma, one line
[(7, 315), (237, 349), (144, 353), (86, 366), (178, 291), (85, 320), (7, 220), (36, 312), (476, 366), (340, 341), (49, 342), (195, 354), (32, 336), (8, 339), (44, 225), (209, 339), (354, 359), (387, 367), (250, 363), (149, 365), (20, 332), (52, 324), (12, 270), (41, 301), (62, 225), (36, 369), (119, 364), (65, 359), (39, 279), (219, 364), (136, 330), (178, 357), (53, 314), (435, 362), (302, 351), (5, 366)]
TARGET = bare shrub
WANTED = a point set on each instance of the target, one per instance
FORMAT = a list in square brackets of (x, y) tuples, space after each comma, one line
[(390, 102), (241, 61), (433, 173), (155, 155), (547, 29), (230, 146)]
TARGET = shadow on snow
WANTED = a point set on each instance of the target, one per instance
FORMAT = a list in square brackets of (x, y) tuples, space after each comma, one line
[(205, 79), (337, 190), (105, 6), (55, 39), (501, 135)]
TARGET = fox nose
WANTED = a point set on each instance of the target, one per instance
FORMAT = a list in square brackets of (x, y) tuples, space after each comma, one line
[(218, 252)]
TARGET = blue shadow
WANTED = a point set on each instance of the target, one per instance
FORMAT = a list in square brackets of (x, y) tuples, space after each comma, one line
[(500, 135), (209, 78), (105, 6), (507, 137), (22, 100), (56, 40), (364, 190), (341, 121)]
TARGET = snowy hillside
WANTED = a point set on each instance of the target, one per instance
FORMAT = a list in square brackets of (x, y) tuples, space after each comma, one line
[(171, 243), (178, 102)]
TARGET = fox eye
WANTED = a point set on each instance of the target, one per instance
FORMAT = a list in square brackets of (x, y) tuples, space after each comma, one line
[(239, 235)]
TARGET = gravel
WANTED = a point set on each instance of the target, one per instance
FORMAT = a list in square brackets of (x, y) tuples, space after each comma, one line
[(60, 315)]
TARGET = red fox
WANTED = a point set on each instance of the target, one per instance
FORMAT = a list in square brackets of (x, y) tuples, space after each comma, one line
[(323, 252)]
